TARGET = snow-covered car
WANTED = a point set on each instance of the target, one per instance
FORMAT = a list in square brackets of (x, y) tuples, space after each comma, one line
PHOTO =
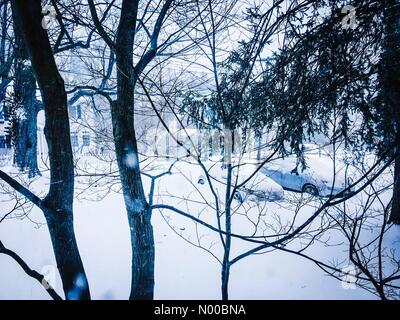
[(318, 179), (258, 188)]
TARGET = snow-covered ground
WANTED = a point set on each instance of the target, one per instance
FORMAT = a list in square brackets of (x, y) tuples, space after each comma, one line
[(182, 271)]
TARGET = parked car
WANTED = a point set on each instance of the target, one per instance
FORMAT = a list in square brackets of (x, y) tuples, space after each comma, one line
[(317, 179), (258, 188)]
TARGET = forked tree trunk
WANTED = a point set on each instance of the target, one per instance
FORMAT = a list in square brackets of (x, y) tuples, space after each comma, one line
[(57, 205), (122, 111)]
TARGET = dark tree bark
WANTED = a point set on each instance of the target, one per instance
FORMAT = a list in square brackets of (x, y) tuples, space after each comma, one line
[(139, 213), (24, 122), (226, 264), (122, 112), (6, 57), (57, 205), (390, 77), (395, 209)]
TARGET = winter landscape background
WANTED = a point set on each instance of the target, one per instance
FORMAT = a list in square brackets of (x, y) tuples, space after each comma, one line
[(199, 149)]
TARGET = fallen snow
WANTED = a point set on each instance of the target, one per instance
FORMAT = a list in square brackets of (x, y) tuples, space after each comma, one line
[(182, 271)]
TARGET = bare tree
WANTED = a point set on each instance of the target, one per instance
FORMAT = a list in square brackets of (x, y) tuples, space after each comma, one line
[(229, 101), (57, 205), (122, 111)]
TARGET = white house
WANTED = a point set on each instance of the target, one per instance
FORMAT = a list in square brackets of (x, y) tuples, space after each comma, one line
[(83, 137)]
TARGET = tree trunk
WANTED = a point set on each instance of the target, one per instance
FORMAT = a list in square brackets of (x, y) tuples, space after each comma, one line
[(142, 285), (225, 270), (57, 205), (122, 111), (25, 119), (395, 210), (5, 61), (390, 76), (25, 143)]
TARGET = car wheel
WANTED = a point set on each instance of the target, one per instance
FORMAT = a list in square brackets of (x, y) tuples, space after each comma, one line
[(238, 196), (310, 189)]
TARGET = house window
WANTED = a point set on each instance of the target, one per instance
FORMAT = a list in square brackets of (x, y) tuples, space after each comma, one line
[(86, 139), (75, 112), (2, 142), (74, 140), (78, 112), (3, 113)]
